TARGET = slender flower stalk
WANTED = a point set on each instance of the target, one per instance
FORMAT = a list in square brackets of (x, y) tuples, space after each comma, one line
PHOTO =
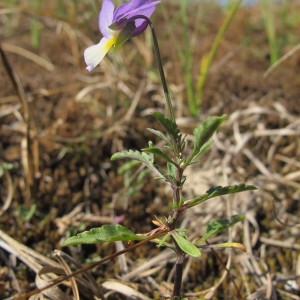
[(161, 72), (160, 67)]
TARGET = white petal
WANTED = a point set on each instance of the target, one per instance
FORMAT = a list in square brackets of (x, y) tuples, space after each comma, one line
[(94, 54), (105, 17)]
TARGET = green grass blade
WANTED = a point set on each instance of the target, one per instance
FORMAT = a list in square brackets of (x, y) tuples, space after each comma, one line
[(208, 59), (270, 29)]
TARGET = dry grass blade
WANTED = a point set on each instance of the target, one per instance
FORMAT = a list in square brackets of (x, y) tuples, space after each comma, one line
[(76, 216), (124, 289), (58, 256), (143, 270), (298, 270), (73, 41), (82, 94), (85, 284), (53, 293), (8, 191), (92, 265), (29, 55), (134, 102), (29, 257), (278, 132), (29, 144), (258, 163), (283, 244), (267, 287), (281, 60), (288, 295), (17, 85), (33, 259)]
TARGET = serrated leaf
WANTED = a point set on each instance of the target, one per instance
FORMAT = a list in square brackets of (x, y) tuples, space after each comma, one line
[(170, 126), (134, 154), (185, 245), (143, 157), (157, 151), (215, 227), (218, 191), (159, 134), (202, 133), (105, 233)]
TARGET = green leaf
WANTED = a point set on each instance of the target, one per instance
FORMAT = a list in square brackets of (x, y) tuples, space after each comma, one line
[(203, 148), (143, 157), (157, 151), (128, 166), (27, 213), (215, 227), (105, 233), (172, 170), (185, 245), (202, 133), (218, 191), (163, 240), (159, 134), (134, 154), (5, 166), (170, 127)]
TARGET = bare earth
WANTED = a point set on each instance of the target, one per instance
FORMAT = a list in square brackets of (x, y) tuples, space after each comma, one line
[(59, 132)]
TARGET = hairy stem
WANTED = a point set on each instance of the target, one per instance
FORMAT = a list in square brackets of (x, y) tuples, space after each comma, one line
[(179, 253), (178, 273)]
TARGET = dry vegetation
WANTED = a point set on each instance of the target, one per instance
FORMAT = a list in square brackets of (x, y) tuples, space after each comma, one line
[(59, 126)]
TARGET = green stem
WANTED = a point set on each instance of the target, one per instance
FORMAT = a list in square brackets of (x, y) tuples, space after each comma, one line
[(162, 73), (160, 66)]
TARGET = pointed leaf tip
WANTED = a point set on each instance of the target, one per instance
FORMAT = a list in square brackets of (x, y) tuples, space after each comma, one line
[(185, 245), (219, 191), (169, 126), (146, 158), (202, 133)]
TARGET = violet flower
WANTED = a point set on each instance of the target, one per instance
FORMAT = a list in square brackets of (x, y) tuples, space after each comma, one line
[(117, 26)]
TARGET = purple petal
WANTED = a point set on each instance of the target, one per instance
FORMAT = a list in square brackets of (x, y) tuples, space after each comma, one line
[(133, 8), (140, 28), (131, 27), (147, 12), (106, 17)]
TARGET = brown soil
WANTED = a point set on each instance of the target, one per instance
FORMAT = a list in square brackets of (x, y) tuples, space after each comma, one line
[(60, 140)]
